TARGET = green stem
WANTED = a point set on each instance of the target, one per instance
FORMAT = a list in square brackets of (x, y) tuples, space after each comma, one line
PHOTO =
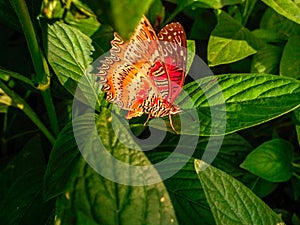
[(39, 64), (20, 103), (296, 175), (42, 76), (46, 94), (296, 165), (7, 74)]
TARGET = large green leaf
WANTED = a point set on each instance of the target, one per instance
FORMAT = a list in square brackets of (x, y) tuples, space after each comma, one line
[(230, 41), (271, 161), (235, 102), (288, 8), (21, 185), (290, 62), (185, 191), (91, 198), (230, 201), (68, 51)]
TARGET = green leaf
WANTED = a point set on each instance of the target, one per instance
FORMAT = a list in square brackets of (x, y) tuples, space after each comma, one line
[(284, 28), (230, 201), (11, 98), (191, 49), (156, 12), (263, 188), (267, 60), (185, 190), (204, 23), (271, 161), (63, 158), (53, 9), (21, 185), (88, 25), (246, 99), (298, 133), (215, 4), (290, 62), (231, 154), (8, 15), (268, 35), (92, 198), (288, 8), (68, 52), (246, 8), (101, 40), (230, 41), (123, 16)]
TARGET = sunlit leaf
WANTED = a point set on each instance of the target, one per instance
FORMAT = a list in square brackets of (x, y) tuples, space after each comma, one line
[(227, 198), (236, 101), (288, 8), (230, 41)]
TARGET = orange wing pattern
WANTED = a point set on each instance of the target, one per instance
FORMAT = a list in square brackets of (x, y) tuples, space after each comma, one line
[(145, 74)]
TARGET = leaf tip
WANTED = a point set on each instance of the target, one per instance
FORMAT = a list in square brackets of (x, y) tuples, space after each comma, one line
[(200, 165)]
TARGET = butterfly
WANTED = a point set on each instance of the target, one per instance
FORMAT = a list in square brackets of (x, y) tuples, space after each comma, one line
[(145, 74)]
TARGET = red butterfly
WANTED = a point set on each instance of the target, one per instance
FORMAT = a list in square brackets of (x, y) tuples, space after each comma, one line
[(145, 74)]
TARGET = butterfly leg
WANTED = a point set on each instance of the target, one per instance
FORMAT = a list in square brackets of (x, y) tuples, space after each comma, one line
[(145, 124), (171, 124)]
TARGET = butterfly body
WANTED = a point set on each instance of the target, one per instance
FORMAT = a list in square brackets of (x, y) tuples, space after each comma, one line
[(145, 74)]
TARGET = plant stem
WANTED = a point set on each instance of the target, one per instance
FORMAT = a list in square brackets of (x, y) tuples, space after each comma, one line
[(42, 77), (39, 63), (20, 103)]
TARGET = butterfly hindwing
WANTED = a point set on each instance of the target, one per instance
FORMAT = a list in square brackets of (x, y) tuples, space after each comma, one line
[(173, 40)]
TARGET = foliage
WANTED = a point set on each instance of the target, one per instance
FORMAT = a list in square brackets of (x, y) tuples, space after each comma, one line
[(252, 47)]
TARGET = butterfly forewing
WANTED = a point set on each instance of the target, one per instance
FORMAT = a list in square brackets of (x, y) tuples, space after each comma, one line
[(125, 62)]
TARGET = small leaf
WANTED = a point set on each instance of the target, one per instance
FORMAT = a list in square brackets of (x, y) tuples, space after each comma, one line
[(288, 8), (267, 60), (290, 61), (230, 41), (191, 49), (230, 201), (68, 52), (271, 161)]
